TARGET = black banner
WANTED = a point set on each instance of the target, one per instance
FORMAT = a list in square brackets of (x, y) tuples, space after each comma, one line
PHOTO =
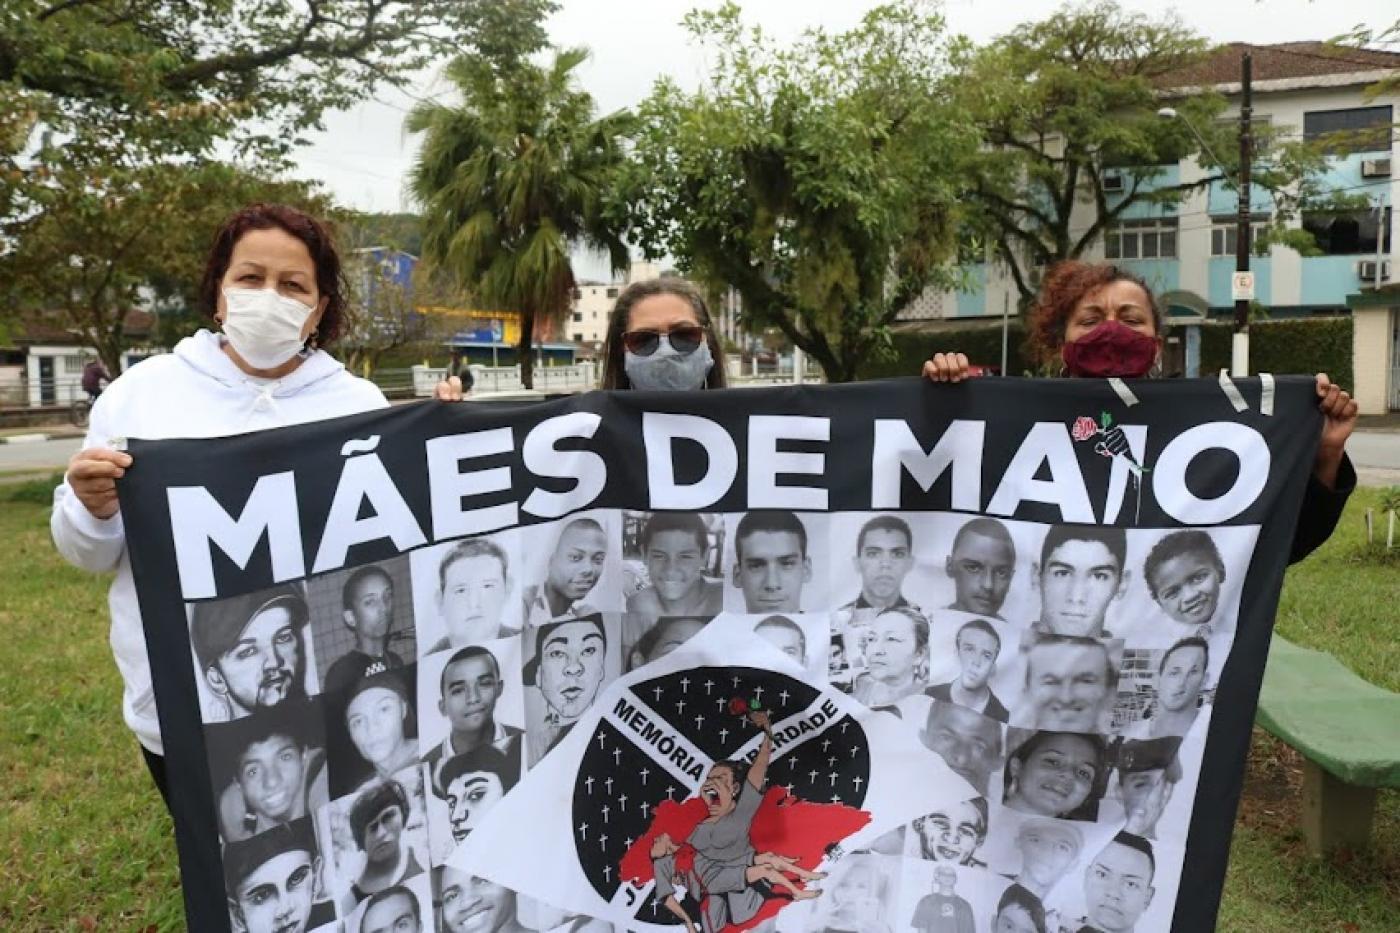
[(887, 655)]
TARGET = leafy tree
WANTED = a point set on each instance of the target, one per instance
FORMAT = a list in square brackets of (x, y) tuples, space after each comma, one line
[(103, 241), (512, 179), (1065, 101), (818, 180)]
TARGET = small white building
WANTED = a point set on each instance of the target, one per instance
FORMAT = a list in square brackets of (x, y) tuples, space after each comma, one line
[(44, 366)]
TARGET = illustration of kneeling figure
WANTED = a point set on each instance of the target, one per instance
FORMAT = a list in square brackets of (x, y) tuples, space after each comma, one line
[(717, 864)]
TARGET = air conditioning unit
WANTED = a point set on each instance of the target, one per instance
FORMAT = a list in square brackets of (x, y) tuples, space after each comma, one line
[(1112, 181), (1375, 168), (1367, 270)]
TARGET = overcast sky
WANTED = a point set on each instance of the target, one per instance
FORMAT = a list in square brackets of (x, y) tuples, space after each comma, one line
[(363, 155)]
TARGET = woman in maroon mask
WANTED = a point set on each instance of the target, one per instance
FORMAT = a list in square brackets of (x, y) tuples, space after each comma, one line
[(1101, 321)]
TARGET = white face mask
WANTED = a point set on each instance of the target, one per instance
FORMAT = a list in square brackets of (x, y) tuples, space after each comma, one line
[(264, 326)]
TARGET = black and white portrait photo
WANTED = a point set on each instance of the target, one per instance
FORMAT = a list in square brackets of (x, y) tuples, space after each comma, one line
[(875, 556), (1071, 683), (1179, 689), (574, 568), (779, 562), (463, 903), (405, 907), (468, 698), (673, 563), (981, 565), (465, 592), (645, 639), (274, 882), (268, 769), (363, 621), (894, 646), (251, 652), (977, 647), (380, 837), (1081, 573), (1045, 851), (954, 834), (801, 636), (569, 662), (861, 893), (372, 729), (969, 743), (464, 789), (1057, 774)]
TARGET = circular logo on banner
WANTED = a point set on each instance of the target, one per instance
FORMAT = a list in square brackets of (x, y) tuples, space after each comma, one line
[(653, 750)]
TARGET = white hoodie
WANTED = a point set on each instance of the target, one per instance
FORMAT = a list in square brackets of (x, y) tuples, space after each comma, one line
[(197, 391)]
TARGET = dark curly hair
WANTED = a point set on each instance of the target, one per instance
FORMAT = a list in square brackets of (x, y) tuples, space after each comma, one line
[(1064, 284), (316, 234)]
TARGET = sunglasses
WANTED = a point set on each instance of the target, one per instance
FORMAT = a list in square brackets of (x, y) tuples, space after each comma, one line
[(683, 338)]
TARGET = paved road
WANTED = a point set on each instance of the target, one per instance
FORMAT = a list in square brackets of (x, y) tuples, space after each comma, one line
[(43, 455), (1375, 453)]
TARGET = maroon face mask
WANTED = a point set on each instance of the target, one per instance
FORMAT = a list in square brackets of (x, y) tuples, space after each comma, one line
[(1110, 349)]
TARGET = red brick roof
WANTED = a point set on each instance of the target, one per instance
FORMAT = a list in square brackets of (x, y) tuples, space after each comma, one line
[(1282, 61)]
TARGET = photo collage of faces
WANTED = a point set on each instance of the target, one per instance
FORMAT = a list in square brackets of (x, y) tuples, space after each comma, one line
[(359, 724)]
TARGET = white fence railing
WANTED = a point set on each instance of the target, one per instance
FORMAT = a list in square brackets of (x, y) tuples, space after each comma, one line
[(500, 380)]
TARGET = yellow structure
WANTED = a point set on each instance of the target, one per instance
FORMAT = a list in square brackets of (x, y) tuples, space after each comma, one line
[(502, 326)]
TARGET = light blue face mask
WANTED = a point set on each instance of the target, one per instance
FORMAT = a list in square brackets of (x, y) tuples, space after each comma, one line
[(667, 370)]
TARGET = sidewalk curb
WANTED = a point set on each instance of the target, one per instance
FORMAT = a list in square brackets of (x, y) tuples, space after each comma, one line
[(27, 438)]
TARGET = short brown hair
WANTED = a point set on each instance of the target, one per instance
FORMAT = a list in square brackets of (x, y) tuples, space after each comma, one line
[(319, 242), (614, 372), (1065, 283)]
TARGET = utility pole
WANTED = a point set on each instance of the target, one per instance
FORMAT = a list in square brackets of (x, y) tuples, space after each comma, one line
[(1239, 357)]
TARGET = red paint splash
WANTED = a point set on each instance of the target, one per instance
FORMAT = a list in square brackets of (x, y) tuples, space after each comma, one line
[(783, 824)]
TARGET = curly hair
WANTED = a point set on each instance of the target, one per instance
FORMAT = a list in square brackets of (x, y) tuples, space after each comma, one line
[(1064, 284), (330, 281)]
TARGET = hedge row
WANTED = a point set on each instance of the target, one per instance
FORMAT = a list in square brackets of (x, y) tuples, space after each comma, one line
[(1308, 345), (1289, 346)]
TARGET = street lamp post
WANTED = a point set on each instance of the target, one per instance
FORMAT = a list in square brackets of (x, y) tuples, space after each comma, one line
[(1239, 355)]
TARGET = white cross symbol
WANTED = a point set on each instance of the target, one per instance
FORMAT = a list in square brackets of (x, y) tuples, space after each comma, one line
[(736, 681), (583, 830), (699, 720), (844, 724), (792, 761), (607, 873), (629, 842), (758, 694), (835, 798), (608, 785), (812, 775), (857, 781), (646, 808), (723, 734), (722, 703), (833, 775), (685, 685), (603, 842), (709, 684), (826, 743), (623, 801), (855, 750), (680, 707), (831, 762), (788, 788), (606, 810), (657, 692), (784, 697), (602, 740), (670, 791), (617, 756), (643, 775), (588, 783)]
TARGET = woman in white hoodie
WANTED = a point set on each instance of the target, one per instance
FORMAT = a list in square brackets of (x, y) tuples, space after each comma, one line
[(273, 284)]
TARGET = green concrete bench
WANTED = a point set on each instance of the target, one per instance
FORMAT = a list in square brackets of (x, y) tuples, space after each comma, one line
[(1347, 730)]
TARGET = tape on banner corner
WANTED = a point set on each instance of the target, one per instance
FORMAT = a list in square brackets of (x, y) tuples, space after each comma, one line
[(1125, 394), (1232, 391), (1266, 394)]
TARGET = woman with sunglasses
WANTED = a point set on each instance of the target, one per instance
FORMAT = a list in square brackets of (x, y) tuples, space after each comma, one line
[(1101, 320), (660, 338)]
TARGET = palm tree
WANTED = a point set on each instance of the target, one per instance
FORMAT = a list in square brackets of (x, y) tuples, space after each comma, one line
[(514, 177)]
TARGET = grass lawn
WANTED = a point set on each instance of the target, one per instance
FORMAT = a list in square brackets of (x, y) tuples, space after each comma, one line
[(87, 844)]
